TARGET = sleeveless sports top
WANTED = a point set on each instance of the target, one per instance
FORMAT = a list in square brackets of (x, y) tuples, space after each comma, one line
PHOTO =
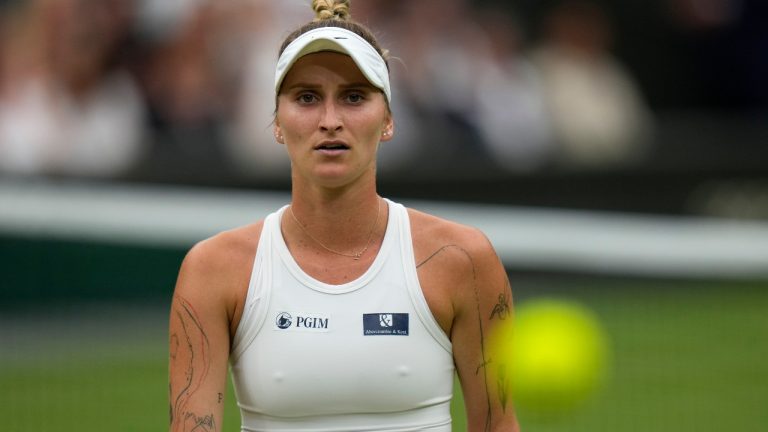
[(363, 356)]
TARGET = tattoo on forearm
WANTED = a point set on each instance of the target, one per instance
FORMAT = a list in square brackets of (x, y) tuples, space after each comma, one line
[(174, 348), (193, 423), (482, 366), (190, 351)]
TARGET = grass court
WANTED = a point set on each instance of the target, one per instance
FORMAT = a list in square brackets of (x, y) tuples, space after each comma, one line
[(686, 356)]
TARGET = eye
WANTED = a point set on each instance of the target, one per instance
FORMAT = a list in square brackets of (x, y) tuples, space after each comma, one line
[(306, 98), (355, 97)]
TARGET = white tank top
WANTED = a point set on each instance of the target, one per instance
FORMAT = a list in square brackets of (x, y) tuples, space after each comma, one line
[(363, 356)]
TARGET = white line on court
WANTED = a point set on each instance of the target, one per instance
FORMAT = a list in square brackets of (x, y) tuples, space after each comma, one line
[(528, 238)]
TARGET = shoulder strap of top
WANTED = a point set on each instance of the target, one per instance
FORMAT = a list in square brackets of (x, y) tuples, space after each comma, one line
[(257, 296)]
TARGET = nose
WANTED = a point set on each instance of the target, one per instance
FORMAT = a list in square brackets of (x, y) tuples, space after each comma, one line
[(330, 120)]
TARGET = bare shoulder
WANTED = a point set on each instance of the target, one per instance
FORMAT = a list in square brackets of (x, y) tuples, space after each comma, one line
[(224, 251), (434, 235), (216, 271), (456, 265), (452, 256)]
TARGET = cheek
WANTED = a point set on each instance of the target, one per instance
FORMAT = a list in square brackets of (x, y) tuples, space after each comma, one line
[(294, 123), (373, 125)]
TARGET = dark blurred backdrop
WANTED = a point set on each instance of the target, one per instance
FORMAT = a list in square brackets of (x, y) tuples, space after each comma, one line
[(654, 106)]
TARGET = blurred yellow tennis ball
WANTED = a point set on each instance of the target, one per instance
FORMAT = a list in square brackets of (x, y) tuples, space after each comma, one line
[(557, 355)]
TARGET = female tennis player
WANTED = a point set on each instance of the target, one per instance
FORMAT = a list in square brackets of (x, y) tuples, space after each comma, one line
[(343, 311)]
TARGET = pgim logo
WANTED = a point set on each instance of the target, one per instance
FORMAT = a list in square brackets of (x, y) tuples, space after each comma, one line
[(309, 322)]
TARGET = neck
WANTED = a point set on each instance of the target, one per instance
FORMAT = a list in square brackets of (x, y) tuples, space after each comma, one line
[(329, 205), (340, 218)]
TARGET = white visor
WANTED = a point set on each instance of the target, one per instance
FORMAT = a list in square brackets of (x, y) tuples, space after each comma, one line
[(339, 40)]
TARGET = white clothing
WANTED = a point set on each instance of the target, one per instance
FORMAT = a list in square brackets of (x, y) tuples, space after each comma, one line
[(367, 355)]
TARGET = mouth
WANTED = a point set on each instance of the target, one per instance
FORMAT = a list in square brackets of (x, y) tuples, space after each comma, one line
[(332, 147)]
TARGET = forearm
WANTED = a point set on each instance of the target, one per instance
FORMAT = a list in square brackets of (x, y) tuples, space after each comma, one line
[(197, 372)]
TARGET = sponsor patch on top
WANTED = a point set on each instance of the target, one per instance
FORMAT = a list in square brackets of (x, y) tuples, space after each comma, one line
[(385, 324), (308, 322)]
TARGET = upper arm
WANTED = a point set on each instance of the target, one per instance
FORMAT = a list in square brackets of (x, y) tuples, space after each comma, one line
[(198, 343), (483, 308)]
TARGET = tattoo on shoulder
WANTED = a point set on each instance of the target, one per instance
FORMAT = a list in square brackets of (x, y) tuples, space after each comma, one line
[(440, 250)]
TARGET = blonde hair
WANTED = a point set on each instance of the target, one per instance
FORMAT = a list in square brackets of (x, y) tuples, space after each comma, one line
[(335, 13), (331, 9)]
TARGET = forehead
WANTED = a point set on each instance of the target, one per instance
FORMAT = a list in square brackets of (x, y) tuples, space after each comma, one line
[(324, 66)]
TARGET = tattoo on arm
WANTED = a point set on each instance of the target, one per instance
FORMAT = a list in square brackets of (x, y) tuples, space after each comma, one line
[(502, 384), (193, 423), (501, 310), (482, 367), (174, 349), (435, 253), (485, 361), (189, 350)]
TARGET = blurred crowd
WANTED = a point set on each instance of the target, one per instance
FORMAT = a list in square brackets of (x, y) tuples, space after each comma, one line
[(183, 88)]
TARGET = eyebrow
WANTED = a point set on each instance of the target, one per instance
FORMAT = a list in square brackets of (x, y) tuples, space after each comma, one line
[(303, 85)]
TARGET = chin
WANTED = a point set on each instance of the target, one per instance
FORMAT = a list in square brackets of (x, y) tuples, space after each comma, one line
[(338, 177)]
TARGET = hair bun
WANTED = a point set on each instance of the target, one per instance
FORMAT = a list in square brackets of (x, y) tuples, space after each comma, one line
[(331, 9)]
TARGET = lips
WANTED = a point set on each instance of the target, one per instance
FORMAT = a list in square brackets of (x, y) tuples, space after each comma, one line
[(332, 146)]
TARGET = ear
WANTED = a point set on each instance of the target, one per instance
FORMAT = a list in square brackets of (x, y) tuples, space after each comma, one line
[(278, 133), (389, 128)]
